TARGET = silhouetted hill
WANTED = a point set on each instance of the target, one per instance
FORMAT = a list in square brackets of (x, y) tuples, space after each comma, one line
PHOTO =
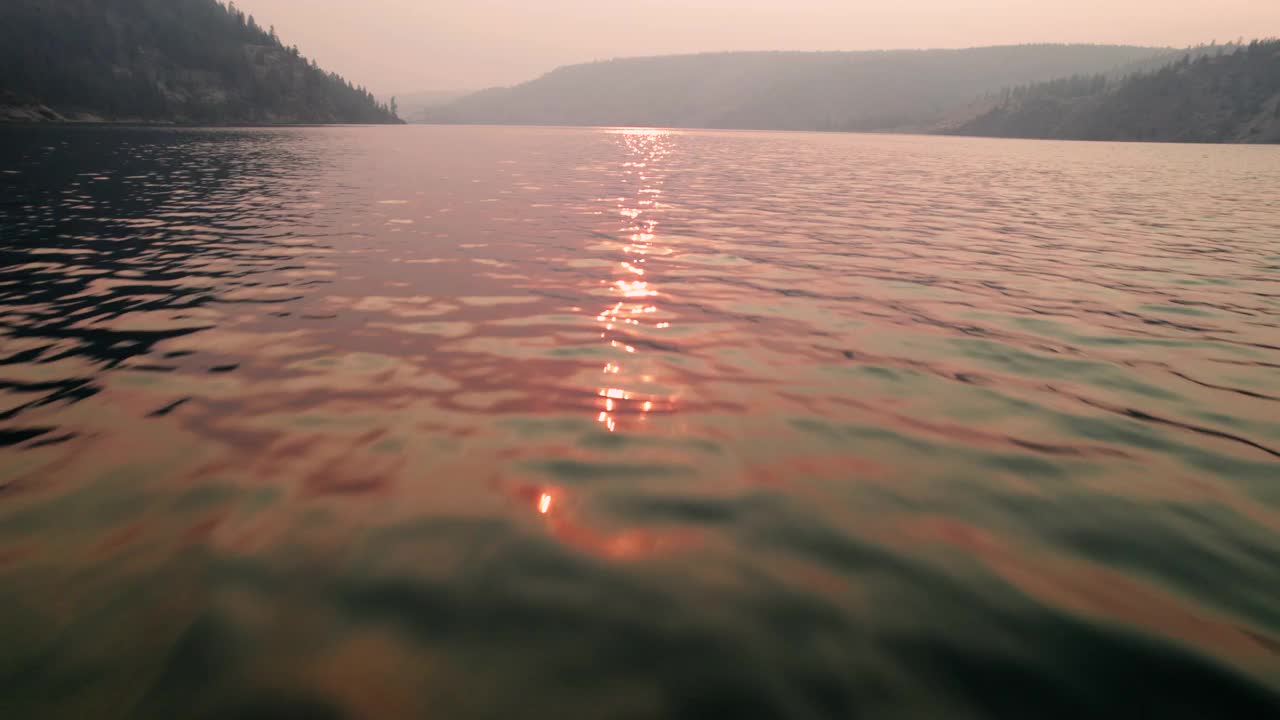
[(1232, 97), (780, 90), (162, 60)]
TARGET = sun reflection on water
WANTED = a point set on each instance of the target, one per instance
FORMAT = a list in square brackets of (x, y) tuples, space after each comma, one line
[(624, 395)]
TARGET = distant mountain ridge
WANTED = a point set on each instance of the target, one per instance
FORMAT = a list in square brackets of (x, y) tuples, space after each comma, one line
[(1230, 97), (193, 61), (877, 90)]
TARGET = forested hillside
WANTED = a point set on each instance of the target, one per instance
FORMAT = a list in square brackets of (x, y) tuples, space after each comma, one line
[(163, 60), (780, 90), (1231, 97)]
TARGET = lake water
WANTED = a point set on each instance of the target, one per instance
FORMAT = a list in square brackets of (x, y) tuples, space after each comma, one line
[(588, 423)]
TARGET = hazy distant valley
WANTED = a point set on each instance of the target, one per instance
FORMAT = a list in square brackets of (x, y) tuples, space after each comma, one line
[(857, 91), (203, 62), (1228, 94), (416, 107)]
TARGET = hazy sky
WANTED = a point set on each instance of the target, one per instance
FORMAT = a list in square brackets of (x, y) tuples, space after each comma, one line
[(407, 45)]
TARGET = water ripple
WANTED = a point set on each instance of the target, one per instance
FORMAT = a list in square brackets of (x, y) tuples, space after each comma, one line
[(348, 422)]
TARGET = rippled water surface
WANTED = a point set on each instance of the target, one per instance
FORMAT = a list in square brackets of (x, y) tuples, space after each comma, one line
[(496, 423)]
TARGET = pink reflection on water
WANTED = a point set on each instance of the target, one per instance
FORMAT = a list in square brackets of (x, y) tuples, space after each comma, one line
[(626, 394), (562, 520)]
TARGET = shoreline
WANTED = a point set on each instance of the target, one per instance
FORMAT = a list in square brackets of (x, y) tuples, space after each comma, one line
[(43, 115)]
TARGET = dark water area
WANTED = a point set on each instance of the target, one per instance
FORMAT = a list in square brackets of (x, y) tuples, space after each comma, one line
[(575, 423)]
